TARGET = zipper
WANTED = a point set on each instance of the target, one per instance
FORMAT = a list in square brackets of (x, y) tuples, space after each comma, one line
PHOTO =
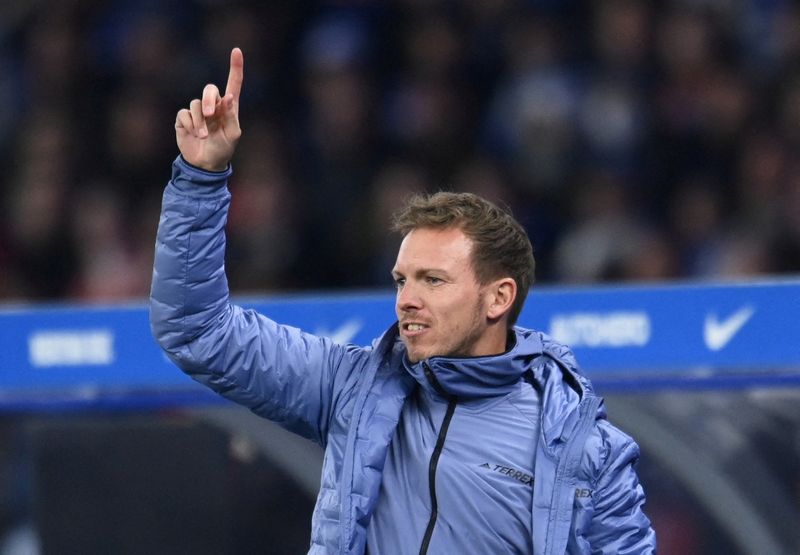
[(437, 451)]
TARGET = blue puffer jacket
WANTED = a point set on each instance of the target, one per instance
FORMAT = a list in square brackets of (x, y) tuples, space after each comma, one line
[(586, 495)]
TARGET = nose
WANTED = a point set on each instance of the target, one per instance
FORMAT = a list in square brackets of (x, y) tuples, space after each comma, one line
[(408, 298)]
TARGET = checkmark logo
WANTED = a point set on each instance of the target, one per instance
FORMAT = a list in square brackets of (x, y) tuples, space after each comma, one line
[(344, 334), (718, 333)]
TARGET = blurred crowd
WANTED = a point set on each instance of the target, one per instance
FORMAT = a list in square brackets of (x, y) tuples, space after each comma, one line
[(635, 140)]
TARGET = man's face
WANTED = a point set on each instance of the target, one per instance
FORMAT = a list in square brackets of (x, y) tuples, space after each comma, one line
[(440, 305)]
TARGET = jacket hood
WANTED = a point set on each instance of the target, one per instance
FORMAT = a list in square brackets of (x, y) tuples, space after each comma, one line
[(564, 390), (483, 376)]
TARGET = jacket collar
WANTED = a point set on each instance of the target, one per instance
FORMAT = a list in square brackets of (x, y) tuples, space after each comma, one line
[(475, 377)]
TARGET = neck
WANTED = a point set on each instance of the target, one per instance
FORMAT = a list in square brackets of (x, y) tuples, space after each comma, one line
[(494, 341)]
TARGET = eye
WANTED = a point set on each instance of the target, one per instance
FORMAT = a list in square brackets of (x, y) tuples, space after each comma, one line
[(399, 282), (432, 280)]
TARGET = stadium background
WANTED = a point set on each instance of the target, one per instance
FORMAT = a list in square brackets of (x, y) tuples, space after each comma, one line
[(636, 141)]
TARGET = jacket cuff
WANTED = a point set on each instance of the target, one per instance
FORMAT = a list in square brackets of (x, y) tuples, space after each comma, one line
[(197, 182)]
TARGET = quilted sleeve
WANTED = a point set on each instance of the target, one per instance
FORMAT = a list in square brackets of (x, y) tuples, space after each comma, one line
[(619, 525), (277, 371)]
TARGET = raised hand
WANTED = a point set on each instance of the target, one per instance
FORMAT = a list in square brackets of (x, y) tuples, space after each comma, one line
[(207, 132)]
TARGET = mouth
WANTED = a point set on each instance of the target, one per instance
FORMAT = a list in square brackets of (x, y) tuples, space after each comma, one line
[(413, 328)]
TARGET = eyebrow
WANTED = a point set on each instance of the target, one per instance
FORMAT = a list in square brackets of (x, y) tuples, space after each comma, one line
[(423, 272)]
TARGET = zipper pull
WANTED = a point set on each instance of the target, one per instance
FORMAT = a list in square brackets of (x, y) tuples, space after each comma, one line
[(431, 377)]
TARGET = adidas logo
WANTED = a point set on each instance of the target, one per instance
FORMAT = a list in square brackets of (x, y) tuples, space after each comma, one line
[(518, 475)]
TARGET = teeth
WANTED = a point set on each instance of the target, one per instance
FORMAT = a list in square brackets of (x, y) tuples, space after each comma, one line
[(415, 327)]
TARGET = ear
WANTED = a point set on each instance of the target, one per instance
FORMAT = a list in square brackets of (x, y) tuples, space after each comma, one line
[(500, 296)]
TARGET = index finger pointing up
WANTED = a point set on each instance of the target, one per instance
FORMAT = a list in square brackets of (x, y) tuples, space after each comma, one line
[(236, 74)]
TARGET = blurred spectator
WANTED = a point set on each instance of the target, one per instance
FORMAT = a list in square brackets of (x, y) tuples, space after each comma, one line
[(531, 119), (695, 215), (635, 140), (262, 224), (107, 267), (41, 251), (603, 234), (370, 235), (336, 135)]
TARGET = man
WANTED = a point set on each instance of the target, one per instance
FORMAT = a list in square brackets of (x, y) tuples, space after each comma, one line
[(456, 432)]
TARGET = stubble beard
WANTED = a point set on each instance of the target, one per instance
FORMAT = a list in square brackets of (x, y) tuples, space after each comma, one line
[(460, 348)]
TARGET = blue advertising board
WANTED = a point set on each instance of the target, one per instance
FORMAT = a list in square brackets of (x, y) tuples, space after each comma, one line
[(624, 338)]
